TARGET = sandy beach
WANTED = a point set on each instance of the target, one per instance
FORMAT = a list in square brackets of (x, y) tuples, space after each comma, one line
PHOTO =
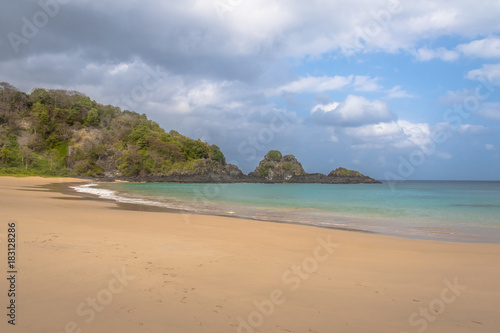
[(89, 266)]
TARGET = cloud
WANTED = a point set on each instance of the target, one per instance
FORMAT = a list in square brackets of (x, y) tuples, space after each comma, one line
[(425, 54), (223, 79), (489, 146), (489, 111), (436, 18), (204, 94), (490, 72), (455, 97), (482, 48), (366, 83), (444, 155), (190, 36), (398, 92), (353, 111), (316, 84), (486, 110), (472, 129), (320, 84), (399, 134)]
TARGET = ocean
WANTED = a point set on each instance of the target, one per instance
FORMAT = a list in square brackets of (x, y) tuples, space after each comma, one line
[(465, 211)]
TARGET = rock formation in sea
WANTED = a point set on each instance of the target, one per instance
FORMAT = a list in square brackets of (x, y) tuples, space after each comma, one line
[(276, 168)]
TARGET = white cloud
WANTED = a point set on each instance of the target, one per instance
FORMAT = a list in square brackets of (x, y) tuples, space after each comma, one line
[(433, 19), (490, 111), (362, 31), (333, 136), (486, 110), (490, 72), (122, 67), (354, 111), (325, 107), (425, 54), (398, 92), (444, 155), (366, 83), (396, 134), (417, 134), (472, 129), (489, 146), (455, 97), (482, 48), (316, 84)]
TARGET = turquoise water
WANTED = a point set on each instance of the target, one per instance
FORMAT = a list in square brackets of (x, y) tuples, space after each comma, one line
[(454, 211)]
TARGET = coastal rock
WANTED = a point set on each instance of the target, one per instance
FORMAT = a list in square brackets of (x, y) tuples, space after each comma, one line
[(203, 171), (346, 176), (278, 168), (274, 168)]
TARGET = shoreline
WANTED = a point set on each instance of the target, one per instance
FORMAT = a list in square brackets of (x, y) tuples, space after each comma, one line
[(157, 272), (66, 189), (365, 224)]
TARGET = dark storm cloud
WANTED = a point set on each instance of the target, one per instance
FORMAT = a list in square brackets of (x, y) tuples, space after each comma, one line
[(178, 38)]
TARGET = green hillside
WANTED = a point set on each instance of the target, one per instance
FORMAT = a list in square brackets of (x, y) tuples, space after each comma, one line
[(65, 133)]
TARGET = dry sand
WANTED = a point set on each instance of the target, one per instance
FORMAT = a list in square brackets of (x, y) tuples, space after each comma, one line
[(86, 266)]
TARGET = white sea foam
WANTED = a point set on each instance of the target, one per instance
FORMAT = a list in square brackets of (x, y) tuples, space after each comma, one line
[(100, 192), (113, 195)]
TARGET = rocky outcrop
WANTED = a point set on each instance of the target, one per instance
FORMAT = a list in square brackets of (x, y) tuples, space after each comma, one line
[(275, 168), (346, 176), (203, 171), (278, 168)]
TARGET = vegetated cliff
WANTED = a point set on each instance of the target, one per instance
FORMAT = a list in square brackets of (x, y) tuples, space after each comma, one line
[(65, 133)]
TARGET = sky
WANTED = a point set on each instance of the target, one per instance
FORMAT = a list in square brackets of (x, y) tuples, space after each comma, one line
[(398, 90)]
